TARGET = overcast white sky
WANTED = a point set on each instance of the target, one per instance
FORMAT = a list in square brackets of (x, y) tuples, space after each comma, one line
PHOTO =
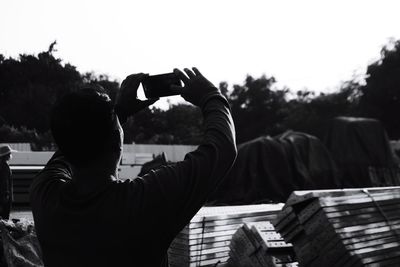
[(304, 44)]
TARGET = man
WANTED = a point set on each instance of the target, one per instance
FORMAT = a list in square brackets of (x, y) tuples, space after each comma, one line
[(6, 187), (85, 216)]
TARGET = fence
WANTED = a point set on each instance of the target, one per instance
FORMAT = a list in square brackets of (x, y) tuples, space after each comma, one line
[(26, 164), (174, 153), (19, 146)]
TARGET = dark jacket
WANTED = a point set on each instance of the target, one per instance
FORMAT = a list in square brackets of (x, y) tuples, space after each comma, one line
[(131, 222)]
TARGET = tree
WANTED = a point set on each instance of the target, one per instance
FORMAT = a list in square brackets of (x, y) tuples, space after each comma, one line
[(257, 108), (313, 114), (111, 86), (381, 95), (30, 85), (180, 124)]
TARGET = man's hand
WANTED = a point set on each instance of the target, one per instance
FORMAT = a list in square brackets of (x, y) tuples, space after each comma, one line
[(197, 88), (127, 103)]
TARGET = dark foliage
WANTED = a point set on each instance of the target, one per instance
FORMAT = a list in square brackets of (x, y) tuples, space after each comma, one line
[(180, 124), (31, 84), (381, 95), (257, 108)]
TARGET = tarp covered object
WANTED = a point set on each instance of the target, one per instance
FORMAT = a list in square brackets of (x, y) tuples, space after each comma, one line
[(261, 173), (20, 245), (357, 146), (268, 169), (313, 166)]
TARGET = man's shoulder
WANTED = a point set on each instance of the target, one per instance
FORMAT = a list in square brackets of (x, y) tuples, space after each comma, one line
[(46, 181)]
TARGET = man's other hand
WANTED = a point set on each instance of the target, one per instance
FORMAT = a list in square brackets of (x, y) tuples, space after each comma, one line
[(196, 87), (127, 103)]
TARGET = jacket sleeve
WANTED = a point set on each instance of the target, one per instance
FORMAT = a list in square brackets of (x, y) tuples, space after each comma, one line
[(173, 194)]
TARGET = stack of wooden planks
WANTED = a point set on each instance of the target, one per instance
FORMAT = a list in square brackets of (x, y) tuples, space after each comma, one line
[(349, 227), (259, 245), (205, 240)]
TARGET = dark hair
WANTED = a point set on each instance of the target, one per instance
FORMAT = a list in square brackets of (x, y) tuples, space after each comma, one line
[(82, 124)]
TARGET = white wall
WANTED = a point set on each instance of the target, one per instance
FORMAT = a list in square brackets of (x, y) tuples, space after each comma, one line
[(30, 158), (133, 158), (19, 146), (174, 153)]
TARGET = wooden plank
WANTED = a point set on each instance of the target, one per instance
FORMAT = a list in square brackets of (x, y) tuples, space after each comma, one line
[(301, 196), (289, 227), (237, 258), (272, 243), (331, 226), (308, 252), (237, 221), (270, 235), (331, 206), (200, 257), (210, 229), (229, 221), (231, 212), (285, 216), (212, 262), (366, 199), (176, 245), (384, 260), (194, 253), (321, 220), (370, 225), (192, 242), (351, 252), (210, 232), (206, 235), (296, 230), (354, 250), (261, 245), (324, 235), (336, 247), (286, 257), (243, 219), (371, 256), (259, 253), (244, 248), (362, 210)]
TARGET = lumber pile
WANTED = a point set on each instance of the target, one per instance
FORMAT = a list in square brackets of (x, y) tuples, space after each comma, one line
[(205, 240), (350, 227), (259, 245)]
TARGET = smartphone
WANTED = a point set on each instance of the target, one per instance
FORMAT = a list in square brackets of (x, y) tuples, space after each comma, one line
[(156, 86)]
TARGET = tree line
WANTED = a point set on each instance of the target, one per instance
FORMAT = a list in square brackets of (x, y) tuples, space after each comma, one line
[(30, 84)]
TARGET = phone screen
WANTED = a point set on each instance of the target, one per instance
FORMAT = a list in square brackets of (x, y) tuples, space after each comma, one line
[(159, 85)]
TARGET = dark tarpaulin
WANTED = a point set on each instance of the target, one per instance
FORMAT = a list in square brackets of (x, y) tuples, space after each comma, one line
[(261, 173), (313, 165), (357, 145), (20, 246), (268, 169)]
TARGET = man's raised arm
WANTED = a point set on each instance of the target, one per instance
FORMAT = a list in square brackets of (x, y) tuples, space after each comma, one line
[(176, 192)]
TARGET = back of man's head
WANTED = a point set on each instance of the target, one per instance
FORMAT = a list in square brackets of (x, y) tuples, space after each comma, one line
[(82, 124)]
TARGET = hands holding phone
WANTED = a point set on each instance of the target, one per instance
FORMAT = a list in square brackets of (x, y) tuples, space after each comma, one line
[(196, 88), (128, 103)]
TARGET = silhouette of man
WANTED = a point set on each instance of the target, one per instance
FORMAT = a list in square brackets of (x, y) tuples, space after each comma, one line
[(85, 216), (6, 185)]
